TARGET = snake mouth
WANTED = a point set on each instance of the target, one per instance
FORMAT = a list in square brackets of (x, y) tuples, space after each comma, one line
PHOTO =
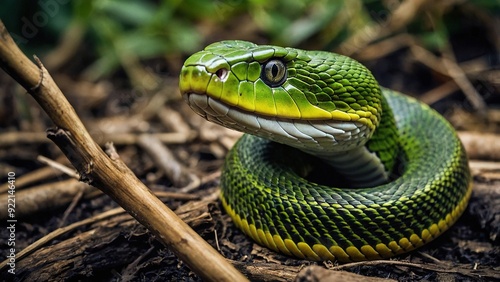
[(307, 135)]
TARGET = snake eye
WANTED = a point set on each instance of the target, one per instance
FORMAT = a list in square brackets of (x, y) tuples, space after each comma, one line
[(273, 73)]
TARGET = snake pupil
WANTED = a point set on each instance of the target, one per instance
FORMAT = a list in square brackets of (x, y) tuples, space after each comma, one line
[(273, 73), (275, 70)]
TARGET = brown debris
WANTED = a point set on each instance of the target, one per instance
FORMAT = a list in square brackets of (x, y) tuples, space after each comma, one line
[(315, 273), (47, 197)]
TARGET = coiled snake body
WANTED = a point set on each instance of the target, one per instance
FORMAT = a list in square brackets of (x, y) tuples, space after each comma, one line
[(335, 167)]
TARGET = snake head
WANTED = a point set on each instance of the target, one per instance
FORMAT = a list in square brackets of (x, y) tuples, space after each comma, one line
[(262, 85)]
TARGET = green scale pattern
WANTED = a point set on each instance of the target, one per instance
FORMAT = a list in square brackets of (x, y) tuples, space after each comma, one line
[(261, 186), (269, 185), (316, 80), (335, 83)]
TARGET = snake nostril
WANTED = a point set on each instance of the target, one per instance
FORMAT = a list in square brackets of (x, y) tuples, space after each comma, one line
[(222, 74)]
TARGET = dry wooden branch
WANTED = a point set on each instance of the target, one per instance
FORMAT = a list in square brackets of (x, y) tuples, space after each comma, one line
[(29, 178), (61, 231), (47, 197), (481, 146), (173, 121), (110, 174), (316, 273), (37, 262), (485, 171), (165, 160)]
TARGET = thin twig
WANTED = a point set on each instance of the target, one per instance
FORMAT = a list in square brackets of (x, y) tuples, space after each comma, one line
[(460, 78), (71, 207), (60, 167), (165, 160), (132, 268), (442, 268), (448, 66), (427, 256), (436, 94)]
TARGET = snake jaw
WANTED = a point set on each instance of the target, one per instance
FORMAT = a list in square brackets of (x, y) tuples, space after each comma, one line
[(313, 86), (311, 136)]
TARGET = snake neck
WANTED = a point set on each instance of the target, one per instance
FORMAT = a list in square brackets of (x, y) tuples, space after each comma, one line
[(347, 147), (360, 167), (371, 164)]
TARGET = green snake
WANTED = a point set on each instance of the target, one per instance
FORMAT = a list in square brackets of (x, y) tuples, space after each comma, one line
[(334, 167)]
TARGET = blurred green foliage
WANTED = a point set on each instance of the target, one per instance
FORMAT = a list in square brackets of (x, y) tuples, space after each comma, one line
[(134, 28), (117, 29)]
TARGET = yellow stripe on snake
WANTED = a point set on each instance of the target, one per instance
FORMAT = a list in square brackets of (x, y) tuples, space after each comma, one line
[(334, 167)]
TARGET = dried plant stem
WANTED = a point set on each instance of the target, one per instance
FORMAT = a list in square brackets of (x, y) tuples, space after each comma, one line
[(109, 173)]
